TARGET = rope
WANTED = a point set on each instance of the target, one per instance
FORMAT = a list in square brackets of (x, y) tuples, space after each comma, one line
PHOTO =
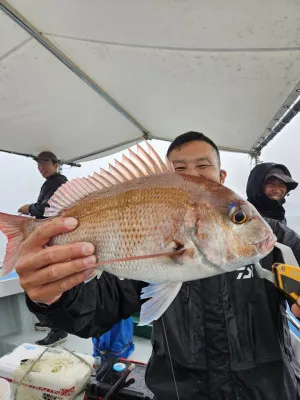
[(18, 384), (171, 362)]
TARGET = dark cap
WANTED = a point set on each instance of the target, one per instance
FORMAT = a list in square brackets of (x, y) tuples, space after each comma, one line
[(46, 155), (283, 176)]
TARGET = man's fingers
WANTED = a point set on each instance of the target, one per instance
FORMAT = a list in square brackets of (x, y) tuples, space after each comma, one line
[(57, 272), (45, 231), (296, 308), (46, 273), (53, 255), (47, 293)]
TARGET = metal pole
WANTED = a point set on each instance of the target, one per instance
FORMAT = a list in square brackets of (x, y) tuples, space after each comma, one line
[(254, 157), (28, 27)]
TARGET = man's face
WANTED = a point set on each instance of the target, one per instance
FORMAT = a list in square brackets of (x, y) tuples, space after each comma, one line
[(197, 158), (47, 167), (275, 188)]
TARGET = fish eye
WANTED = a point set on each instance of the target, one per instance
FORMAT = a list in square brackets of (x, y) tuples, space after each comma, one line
[(238, 217)]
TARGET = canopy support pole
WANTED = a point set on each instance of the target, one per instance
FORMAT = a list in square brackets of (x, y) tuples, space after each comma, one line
[(29, 28), (71, 164), (101, 153), (255, 157)]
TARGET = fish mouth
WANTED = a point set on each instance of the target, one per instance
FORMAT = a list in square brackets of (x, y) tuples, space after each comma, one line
[(266, 245)]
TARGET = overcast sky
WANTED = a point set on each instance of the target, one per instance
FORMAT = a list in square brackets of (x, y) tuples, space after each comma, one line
[(21, 180)]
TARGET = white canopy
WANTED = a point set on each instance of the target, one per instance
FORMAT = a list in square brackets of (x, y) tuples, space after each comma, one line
[(87, 78)]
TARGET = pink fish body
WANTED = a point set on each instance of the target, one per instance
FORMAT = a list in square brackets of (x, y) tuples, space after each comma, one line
[(151, 224)]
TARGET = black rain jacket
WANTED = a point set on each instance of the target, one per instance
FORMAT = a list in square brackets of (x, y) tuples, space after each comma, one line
[(49, 187)]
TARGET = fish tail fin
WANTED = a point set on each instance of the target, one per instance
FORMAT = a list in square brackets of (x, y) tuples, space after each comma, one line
[(13, 227)]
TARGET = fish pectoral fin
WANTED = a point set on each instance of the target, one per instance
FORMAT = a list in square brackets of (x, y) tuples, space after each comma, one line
[(174, 254), (161, 296)]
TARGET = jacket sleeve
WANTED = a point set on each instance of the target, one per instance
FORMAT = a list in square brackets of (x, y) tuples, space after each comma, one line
[(286, 236), (38, 209), (92, 308)]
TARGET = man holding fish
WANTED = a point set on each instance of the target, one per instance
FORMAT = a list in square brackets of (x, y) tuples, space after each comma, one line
[(179, 247)]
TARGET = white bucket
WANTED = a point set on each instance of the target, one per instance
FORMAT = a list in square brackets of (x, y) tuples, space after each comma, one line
[(5, 391)]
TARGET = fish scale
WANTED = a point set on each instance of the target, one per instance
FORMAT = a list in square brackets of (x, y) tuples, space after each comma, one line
[(122, 226)]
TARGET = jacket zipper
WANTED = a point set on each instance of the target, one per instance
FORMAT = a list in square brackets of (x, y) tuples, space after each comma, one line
[(187, 294), (189, 316)]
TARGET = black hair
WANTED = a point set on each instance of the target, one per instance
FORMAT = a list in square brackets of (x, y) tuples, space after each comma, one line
[(192, 136), (47, 155)]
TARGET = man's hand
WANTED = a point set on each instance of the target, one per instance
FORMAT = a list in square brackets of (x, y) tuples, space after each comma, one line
[(296, 308), (46, 273), (24, 209)]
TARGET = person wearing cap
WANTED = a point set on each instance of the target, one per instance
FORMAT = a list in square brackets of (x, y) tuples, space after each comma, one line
[(47, 163), (267, 187), (48, 166)]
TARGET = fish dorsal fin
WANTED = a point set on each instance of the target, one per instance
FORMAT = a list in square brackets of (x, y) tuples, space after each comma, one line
[(140, 163)]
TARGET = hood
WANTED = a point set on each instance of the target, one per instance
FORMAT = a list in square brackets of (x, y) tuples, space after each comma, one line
[(255, 184), (255, 191)]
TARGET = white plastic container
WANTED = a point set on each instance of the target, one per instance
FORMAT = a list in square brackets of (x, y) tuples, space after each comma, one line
[(58, 375), (5, 391)]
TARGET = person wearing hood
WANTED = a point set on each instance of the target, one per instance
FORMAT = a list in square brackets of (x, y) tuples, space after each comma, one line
[(268, 185)]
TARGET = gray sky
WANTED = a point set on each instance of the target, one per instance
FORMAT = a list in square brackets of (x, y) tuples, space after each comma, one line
[(21, 180)]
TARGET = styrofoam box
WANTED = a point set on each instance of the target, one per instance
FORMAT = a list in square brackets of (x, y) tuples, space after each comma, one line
[(58, 374)]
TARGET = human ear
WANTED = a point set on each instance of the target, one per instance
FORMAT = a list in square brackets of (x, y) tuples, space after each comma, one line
[(223, 175)]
